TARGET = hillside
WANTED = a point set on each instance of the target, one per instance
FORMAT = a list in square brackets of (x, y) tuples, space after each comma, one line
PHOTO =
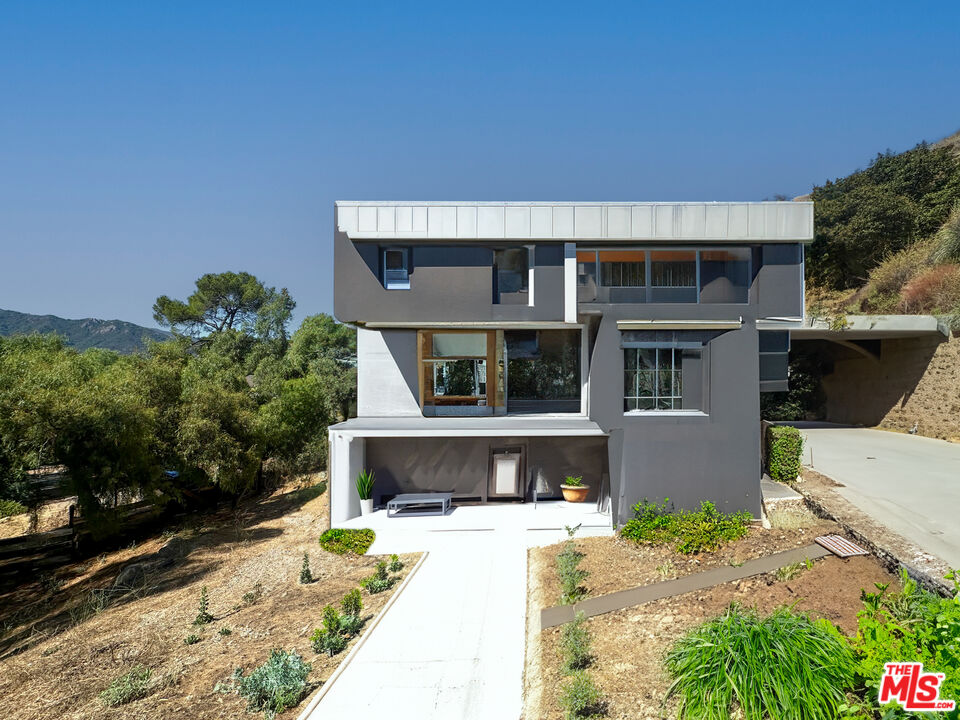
[(887, 238), (118, 335)]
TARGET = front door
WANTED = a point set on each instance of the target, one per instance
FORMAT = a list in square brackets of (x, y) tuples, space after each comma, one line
[(505, 479)]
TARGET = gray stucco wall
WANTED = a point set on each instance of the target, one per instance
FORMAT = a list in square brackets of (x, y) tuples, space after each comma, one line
[(451, 285), (460, 465)]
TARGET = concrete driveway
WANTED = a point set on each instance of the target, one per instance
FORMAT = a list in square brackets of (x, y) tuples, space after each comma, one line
[(909, 483)]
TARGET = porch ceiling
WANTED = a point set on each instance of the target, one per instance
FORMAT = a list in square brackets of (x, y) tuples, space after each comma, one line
[(500, 426)]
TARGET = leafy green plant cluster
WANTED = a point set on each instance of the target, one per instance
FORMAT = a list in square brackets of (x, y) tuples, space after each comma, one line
[(784, 451), (128, 687), (11, 507), (380, 581), (575, 643), (344, 540), (580, 697), (912, 625), (793, 570), (783, 666), (339, 627), (276, 685), (573, 480), (569, 571), (396, 564), (703, 530), (192, 639)]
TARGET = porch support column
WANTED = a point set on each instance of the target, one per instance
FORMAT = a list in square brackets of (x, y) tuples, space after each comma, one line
[(347, 457), (570, 282)]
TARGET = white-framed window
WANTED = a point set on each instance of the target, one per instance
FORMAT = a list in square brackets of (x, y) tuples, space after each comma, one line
[(396, 268)]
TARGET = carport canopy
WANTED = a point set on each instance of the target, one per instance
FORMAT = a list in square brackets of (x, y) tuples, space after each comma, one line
[(496, 426)]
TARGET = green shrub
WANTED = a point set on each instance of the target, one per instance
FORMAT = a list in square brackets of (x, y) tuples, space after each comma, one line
[(396, 564), (575, 642), (573, 481), (899, 268), (909, 626), (224, 631), (783, 666), (704, 530), (784, 448), (203, 609), (330, 639), (344, 540), (252, 597), (11, 507), (276, 685), (191, 639), (379, 581), (128, 687), (352, 603), (350, 625), (306, 577), (569, 572), (580, 698)]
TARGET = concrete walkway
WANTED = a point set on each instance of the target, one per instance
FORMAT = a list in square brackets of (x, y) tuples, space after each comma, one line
[(909, 483), (452, 646)]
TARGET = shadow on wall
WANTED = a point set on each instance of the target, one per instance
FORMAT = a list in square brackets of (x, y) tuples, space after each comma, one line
[(915, 380)]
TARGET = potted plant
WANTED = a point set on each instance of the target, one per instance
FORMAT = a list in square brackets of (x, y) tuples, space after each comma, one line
[(574, 490), (365, 491)]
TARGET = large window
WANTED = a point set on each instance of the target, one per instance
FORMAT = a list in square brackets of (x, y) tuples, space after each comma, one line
[(459, 372), (543, 370), (682, 275)]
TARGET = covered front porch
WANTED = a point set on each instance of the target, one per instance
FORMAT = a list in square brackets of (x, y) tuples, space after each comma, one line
[(482, 461)]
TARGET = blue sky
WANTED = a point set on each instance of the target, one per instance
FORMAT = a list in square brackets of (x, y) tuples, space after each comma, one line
[(143, 144)]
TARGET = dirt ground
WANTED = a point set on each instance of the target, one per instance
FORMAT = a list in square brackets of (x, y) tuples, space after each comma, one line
[(629, 645), (232, 553)]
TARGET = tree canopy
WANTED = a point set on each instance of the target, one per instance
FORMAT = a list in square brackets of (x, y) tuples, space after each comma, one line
[(244, 403)]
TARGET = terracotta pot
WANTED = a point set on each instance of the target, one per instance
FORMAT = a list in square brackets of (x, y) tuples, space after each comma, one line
[(575, 493)]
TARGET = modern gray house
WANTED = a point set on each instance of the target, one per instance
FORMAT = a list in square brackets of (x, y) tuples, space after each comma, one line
[(503, 346)]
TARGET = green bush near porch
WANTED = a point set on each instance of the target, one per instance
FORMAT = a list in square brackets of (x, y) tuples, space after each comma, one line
[(704, 530), (784, 448), (344, 540)]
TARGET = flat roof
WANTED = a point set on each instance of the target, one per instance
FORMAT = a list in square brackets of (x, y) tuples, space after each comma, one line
[(490, 426), (672, 222), (869, 327)]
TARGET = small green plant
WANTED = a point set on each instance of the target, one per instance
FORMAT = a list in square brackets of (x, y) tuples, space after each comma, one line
[(379, 581), (128, 687), (706, 529), (329, 640), (793, 570), (575, 642), (191, 639), (365, 482), (276, 685), (666, 570), (573, 481), (351, 625), (11, 507), (780, 666), (580, 697), (784, 450), (306, 577), (252, 597), (203, 609), (352, 603), (344, 540), (569, 571), (396, 564), (224, 631)]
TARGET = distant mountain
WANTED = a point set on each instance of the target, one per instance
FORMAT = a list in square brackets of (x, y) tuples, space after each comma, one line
[(123, 337)]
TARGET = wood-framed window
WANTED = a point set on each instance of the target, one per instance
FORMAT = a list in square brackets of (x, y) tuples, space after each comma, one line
[(460, 368)]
